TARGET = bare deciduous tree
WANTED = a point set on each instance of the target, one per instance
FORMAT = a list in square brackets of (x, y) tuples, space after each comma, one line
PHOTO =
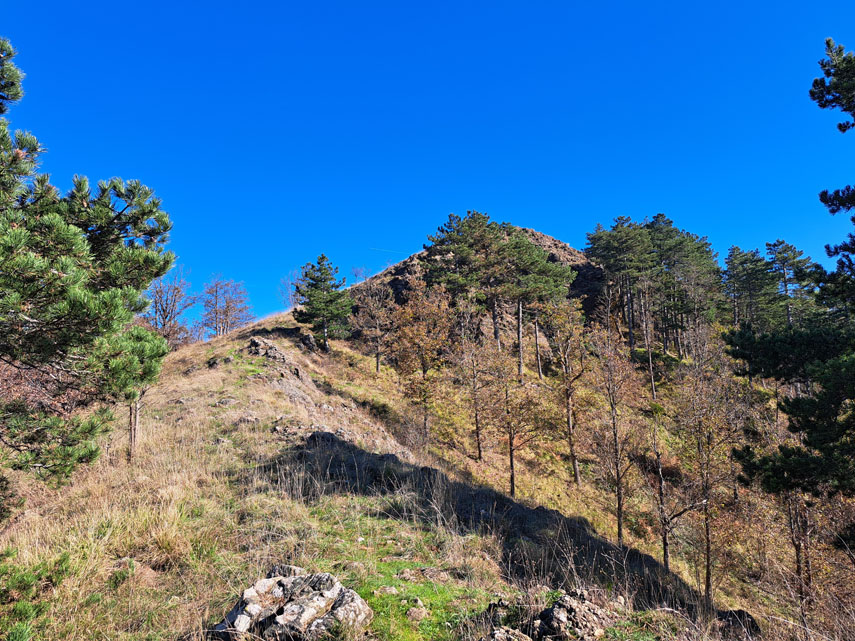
[(170, 297), (373, 316), (226, 306)]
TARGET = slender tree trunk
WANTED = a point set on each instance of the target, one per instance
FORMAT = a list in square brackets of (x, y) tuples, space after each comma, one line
[(630, 318), (377, 360), (707, 554), (537, 347), (618, 475), (425, 399), (494, 311), (520, 339), (512, 465), (133, 427), (789, 306), (326, 337), (663, 515), (645, 318), (476, 408), (571, 437)]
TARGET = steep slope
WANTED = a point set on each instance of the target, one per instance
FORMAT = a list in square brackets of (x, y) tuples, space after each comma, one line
[(254, 452)]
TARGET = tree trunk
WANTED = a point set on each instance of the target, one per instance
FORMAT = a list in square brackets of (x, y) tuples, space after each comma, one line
[(618, 476), (377, 360), (425, 399), (476, 408), (571, 441), (645, 315), (630, 319), (494, 311), (707, 554), (537, 348), (513, 467), (663, 516), (326, 338), (133, 427), (789, 306), (520, 339)]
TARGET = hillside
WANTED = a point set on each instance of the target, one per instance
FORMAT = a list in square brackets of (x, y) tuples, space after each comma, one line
[(255, 452)]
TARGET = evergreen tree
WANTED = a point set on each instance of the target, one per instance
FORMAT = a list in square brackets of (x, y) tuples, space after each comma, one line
[(788, 264), (529, 277), (819, 359), (463, 256), (73, 270), (752, 290), (625, 252), (135, 367), (323, 303)]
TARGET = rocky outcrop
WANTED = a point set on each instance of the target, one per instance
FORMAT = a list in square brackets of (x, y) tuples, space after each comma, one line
[(572, 616), (295, 606)]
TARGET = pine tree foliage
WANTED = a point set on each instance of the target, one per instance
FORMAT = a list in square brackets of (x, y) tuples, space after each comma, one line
[(73, 269), (323, 303), (817, 360)]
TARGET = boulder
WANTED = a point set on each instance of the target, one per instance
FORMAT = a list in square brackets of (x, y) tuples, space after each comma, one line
[(506, 634), (572, 616), (294, 606)]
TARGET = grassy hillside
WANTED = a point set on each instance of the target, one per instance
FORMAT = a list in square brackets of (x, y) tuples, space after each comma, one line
[(220, 490)]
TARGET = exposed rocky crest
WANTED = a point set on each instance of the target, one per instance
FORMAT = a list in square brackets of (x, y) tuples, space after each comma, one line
[(295, 606)]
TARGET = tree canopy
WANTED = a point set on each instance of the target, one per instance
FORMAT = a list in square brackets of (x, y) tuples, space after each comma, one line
[(73, 269)]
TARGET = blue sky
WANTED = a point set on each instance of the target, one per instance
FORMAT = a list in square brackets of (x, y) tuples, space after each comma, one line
[(277, 131)]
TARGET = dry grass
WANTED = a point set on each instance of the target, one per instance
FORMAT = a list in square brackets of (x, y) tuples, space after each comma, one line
[(161, 547)]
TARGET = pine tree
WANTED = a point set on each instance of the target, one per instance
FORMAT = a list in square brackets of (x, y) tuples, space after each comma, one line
[(323, 303), (752, 289), (134, 368), (788, 263), (529, 277), (73, 270), (464, 257), (817, 361)]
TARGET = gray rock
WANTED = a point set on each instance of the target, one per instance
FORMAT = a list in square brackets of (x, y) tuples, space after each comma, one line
[(506, 634), (294, 606)]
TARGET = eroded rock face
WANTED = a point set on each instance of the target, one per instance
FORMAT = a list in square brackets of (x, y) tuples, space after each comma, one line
[(294, 606)]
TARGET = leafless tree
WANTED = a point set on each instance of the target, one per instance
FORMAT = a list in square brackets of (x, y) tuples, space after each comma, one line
[(226, 306), (373, 315), (170, 297)]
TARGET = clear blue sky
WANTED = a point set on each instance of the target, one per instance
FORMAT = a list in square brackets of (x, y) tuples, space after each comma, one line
[(276, 131)]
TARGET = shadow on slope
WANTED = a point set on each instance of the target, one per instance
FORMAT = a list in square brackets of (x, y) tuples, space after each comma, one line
[(537, 543)]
